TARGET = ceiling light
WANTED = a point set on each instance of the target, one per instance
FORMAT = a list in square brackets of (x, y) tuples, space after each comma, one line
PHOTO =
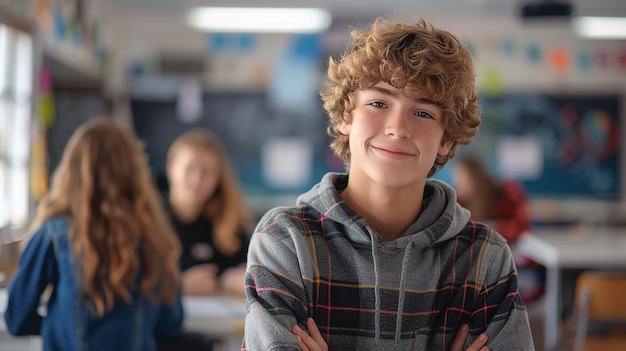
[(600, 27), (259, 20)]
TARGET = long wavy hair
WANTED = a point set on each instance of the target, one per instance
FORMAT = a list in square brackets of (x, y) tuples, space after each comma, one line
[(226, 209), (418, 59), (119, 232)]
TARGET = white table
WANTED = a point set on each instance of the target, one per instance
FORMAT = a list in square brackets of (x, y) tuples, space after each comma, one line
[(219, 317), (579, 247)]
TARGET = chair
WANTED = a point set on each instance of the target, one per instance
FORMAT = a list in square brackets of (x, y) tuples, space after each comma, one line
[(600, 311)]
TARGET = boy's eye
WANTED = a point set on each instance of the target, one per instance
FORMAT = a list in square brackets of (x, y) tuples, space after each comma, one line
[(423, 114), (377, 104)]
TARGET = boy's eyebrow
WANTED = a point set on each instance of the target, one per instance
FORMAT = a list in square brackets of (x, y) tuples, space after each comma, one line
[(391, 93)]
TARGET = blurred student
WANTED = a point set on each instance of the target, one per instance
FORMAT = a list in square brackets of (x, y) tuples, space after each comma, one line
[(382, 257), (505, 205), (103, 256), (209, 214)]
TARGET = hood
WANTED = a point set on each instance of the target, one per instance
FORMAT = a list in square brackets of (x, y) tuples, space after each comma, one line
[(441, 219)]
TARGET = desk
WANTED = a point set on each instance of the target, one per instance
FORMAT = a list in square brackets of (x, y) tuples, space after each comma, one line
[(219, 317), (579, 247)]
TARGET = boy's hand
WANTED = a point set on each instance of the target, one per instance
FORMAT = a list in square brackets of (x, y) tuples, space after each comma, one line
[(461, 335), (313, 341)]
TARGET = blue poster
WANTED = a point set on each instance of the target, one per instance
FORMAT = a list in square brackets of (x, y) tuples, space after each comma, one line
[(579, 136)]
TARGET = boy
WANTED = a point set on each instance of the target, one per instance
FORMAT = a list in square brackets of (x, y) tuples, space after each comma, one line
[(382, 257)]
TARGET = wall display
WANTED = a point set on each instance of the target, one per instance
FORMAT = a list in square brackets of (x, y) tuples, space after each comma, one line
[(250, 130), (557, 145)]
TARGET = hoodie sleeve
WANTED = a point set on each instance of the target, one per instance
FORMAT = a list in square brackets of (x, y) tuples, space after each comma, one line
[(36, 269), (275, 294), (500, 308)]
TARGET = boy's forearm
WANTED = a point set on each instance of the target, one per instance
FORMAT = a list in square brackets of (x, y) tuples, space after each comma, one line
[(275, 296)]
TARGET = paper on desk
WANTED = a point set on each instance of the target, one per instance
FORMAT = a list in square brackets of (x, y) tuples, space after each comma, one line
[(213, 306), (4, 297)]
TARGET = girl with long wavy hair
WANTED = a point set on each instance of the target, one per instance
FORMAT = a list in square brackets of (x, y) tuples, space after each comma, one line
[(103, 253), (209, 214)]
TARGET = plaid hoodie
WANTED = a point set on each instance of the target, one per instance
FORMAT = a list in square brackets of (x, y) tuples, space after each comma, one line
[(321, 259)]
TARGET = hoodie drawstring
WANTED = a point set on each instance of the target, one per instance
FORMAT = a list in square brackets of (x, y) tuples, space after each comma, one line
[(405, 261), (376, 288)]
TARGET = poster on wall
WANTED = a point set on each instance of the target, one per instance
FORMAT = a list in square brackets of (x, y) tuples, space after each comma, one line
[(273, 152), (556, 145)]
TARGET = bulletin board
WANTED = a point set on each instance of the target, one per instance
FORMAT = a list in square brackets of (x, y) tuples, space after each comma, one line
[(246, 124), (575, 140), (558, 146)]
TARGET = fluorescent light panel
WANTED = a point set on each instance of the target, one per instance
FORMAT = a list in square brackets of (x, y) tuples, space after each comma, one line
[(259, 20), (600, 27)]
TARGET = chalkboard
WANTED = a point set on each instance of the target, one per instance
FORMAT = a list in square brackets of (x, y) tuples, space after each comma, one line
[(72, 109), (243, 121), (579, 137)]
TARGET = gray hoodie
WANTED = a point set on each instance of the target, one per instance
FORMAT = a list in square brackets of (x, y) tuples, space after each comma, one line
[(321, 259)]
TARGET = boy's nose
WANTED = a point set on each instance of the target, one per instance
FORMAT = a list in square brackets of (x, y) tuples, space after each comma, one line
[(397, 126)]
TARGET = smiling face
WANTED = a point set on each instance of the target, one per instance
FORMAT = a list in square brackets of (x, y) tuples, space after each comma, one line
[(394, 140)]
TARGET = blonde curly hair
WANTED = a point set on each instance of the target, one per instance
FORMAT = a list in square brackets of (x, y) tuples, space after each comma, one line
[(418, 59)]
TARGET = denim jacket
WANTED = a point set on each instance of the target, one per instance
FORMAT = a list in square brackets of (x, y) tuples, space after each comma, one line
[(66, 324)]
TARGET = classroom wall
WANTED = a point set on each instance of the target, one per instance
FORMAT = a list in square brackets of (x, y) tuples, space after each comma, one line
[(511, 56), (510, 53)]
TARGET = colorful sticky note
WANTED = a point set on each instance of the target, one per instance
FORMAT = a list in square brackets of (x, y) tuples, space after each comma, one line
[(507, 47), (602, 59), (533, 52), (492, 81), (583, 60), (559, 60), (622, 59)]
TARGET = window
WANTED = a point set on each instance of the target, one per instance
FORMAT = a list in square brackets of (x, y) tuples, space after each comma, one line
[(16, 80), (4, 126)]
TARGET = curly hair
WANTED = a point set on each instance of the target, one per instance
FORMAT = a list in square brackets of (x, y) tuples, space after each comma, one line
[(226, 208), (418, 59), (119, 230)]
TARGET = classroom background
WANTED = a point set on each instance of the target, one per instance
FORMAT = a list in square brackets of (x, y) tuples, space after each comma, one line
[(552, 100)]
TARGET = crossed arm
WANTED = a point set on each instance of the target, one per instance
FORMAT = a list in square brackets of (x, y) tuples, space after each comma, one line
[(315, 342)]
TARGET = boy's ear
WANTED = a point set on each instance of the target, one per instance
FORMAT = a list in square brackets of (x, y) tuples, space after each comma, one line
[(445, 147), (344, 128)]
